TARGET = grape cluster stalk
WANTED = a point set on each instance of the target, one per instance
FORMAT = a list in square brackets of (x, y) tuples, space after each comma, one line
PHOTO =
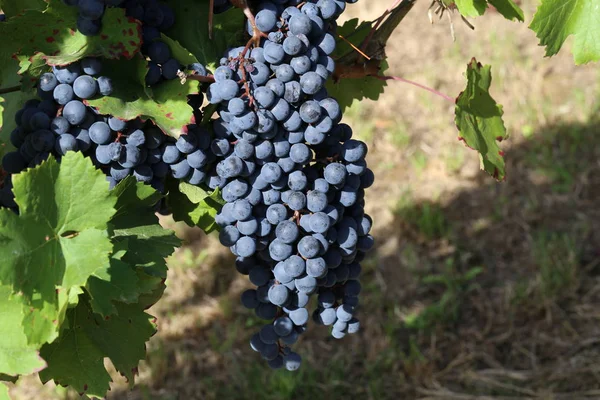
[(292, 176)]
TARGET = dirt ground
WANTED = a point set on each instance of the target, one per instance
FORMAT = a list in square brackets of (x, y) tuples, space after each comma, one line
[(476, 289)]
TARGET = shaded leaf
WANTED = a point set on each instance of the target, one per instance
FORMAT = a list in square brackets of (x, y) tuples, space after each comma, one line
[(509, 9), (194, 205), (77, 357), (479, 119), (191, 30), (118, 283), (148, 244), (12, 8)]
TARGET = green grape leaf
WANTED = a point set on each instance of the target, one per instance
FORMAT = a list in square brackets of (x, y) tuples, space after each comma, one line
[(471, 8), (53, 33), (509, 9), (166, 103), (132, 196), (555, 20), (8, 73), (77, 357), (148, 244), (153, 288), (60, 236), (13, 8), (119, 282), (355, 32), (16, 355), (194, 205), (4, 392), (122, 281), (355, 79), (479, 119), (191, 30)]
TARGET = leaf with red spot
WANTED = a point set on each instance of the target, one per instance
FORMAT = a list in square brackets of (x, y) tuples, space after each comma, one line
[(11, 8), (479, 119), (165, 103), (52, 34)]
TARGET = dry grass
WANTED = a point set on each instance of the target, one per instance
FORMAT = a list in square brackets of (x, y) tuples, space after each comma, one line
[(476, 290)]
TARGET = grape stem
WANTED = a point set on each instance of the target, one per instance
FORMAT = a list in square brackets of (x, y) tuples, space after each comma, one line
[(201, 78), (431, 90), (10, 89)]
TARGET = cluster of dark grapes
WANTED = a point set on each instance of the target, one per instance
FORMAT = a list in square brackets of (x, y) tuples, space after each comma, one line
[(155, 18), (220, 6), (292, 177), (61, 122), (149, 12)]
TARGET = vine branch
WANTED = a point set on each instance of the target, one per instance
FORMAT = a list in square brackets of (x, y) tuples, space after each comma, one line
[(10, 89)]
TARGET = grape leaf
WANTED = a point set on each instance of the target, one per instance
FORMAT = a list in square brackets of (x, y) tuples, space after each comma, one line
[(77, 357), (131, 196), (16, 355), (354, 32), (194, 205), (479, 119), (119, 282), (41, 318), (4, 392), (355, 80), (166, 103), (555, 20), (509, 9), (123, 281), (12, 8), (53, 33), (59, 238), (471, 8), (148, 244), (152, 289), (191, 30)]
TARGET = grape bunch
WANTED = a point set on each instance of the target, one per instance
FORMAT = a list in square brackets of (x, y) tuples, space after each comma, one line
[(155, 18), (292, 177), (90, 13), (150, 13), (61, 122), (220, 6)]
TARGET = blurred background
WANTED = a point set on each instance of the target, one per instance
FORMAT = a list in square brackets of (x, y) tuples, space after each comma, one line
[(475, 290)]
